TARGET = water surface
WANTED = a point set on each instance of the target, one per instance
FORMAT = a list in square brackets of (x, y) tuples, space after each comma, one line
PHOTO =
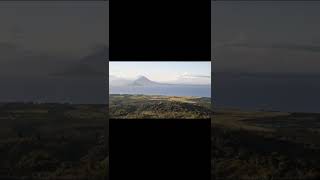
[(166, 90)]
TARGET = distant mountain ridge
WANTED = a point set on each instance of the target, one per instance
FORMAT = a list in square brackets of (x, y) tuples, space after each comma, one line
[(144, 81), (140, 81), (143, 85)]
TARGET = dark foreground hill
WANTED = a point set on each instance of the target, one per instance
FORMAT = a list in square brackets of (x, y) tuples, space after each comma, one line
[(162, 107), (265, 145), (53, 141)]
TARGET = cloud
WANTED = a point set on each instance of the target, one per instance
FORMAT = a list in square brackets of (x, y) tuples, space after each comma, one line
[(240, 38), (187, 75), (17, 61), (281, 46), (266, 75), (188, 78), (29, 75), (99, 51), (197, 76), (92, 65), (80, 70)]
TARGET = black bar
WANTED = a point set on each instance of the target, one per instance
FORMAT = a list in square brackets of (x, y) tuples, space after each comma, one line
[(160, 149), (160, 30)]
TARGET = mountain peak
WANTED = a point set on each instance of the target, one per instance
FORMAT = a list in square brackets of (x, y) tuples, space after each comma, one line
[(141, 77), (142, 80)]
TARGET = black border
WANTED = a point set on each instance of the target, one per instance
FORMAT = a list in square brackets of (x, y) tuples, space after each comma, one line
[(167, 30)]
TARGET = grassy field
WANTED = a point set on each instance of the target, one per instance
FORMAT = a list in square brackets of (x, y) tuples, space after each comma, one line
[(265, 145), (161, 107), (63, 141), (57, 141)]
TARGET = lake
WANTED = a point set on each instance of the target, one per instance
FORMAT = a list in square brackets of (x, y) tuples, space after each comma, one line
[(166, 90)]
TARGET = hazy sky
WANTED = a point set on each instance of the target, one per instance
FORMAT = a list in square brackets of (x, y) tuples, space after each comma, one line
[(54, 51), (43, 26), (195, 72), (266, 54), (267, 36)]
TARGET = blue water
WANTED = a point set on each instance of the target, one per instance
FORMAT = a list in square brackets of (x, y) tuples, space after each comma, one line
[(166, 90)]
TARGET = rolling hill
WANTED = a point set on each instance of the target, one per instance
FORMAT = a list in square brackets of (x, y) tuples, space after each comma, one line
[(265, 145), (126, 106)]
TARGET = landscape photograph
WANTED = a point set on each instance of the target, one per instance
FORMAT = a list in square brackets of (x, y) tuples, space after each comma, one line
[(160, 90), (266, 122), (53, 100)]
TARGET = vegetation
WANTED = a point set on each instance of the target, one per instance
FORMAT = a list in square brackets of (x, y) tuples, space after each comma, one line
[(63, 141), (265, 145), (161, 107), (53, 141)]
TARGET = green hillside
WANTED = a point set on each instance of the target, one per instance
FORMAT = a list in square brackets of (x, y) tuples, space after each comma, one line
[(265, 145), (53, 141), (162, 107)]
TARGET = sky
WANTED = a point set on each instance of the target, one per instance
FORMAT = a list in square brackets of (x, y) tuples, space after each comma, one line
[(54, 51), (42, 38), (268, 36), (44, 25), (192, 72), (266, 54)]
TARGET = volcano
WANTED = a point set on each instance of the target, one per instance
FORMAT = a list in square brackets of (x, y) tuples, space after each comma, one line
[(144, 81)]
